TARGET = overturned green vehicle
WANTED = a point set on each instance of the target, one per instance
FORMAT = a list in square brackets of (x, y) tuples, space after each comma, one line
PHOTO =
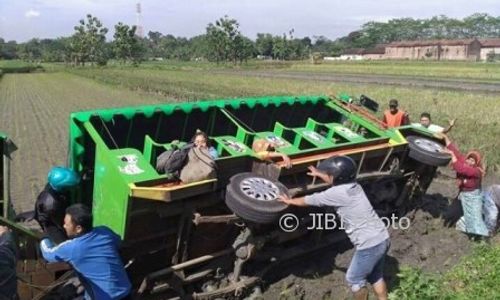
[(219, 237)]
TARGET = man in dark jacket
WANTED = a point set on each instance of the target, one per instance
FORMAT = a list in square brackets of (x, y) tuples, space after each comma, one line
[(8, 260), (51, 203)]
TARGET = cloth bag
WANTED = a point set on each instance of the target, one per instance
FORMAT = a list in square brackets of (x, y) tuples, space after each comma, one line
[(200, 166)]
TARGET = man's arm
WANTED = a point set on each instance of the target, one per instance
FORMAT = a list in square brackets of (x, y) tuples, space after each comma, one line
[(5, 237), (451, 123), (292, 201), (284, 157), (7, 245), (406, 119), (52, 253), (450, 146)]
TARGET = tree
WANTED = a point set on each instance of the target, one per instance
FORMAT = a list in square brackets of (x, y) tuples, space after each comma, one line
[(154, 39), (198, 46), (53, 50), (88, 42), (126, 45), (218, 40), (226, 43), (280, 47), (8, 50), (264, 44), (30, 51)]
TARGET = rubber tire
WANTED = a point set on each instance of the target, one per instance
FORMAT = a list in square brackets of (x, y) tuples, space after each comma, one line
[(435, 159), (247, 208)]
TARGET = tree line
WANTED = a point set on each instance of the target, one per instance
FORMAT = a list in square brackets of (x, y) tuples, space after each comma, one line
[(223, 41)]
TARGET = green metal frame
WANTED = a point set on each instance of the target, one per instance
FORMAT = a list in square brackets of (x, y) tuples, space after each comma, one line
[(7, 147), (113, 182)]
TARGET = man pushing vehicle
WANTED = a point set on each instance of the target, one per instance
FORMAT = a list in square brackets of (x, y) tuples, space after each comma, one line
[(364, 228)]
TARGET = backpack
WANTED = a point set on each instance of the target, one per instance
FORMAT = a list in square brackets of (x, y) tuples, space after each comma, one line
[(172, 161), (200, 166)]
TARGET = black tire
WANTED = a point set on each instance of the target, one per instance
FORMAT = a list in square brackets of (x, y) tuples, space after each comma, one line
[(259, 207), (427, 151)]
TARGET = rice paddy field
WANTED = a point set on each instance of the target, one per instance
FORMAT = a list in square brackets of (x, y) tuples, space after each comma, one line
[(35, 107)]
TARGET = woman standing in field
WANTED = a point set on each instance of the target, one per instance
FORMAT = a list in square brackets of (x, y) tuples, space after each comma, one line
[(469, 175)]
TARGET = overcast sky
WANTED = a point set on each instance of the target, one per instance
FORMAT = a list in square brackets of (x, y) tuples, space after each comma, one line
[(24, 19)]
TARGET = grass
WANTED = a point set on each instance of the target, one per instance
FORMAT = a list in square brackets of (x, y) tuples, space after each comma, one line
[(444, 70), (18, 66), (477, 114), (475, 277)]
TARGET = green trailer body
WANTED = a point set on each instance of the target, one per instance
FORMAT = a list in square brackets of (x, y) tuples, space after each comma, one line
[(99, 141)]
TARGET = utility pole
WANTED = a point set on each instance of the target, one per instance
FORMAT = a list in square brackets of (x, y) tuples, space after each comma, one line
[(138, 21)]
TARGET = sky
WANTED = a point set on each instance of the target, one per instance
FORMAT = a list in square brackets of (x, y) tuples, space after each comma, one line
[(22, 20)]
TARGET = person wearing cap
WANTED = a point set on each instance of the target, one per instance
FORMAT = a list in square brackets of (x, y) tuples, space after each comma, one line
[(364, 228), (51, 203), (426, 122), (469, 175), (395, 117)]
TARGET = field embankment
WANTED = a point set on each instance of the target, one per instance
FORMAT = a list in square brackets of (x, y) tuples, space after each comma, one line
[(18, 66)]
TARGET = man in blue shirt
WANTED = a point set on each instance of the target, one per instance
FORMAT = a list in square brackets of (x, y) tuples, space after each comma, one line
[(93, 253)]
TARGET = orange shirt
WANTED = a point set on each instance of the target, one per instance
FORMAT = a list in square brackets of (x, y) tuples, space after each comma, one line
[(394, 120)]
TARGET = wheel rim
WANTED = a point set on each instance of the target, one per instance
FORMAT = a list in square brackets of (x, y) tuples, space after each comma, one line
[(259, 189), (428, 145)]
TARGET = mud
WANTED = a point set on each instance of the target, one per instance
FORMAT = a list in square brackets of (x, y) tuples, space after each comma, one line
[(428, 244)]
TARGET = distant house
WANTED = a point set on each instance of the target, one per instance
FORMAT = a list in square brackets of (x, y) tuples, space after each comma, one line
[(378, 52), (464, 49), (352, 54), (489, 46)]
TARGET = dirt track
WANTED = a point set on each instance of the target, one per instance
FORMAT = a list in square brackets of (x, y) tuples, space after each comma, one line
[(445, 84)]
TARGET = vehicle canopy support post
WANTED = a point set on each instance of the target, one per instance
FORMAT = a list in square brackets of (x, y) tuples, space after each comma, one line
[(361, 161), (385, 159), (6, 200), (158, 126), (183, 233), (8, 148)]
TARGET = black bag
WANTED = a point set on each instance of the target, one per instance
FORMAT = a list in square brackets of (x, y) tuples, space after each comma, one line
[(172, 161)]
